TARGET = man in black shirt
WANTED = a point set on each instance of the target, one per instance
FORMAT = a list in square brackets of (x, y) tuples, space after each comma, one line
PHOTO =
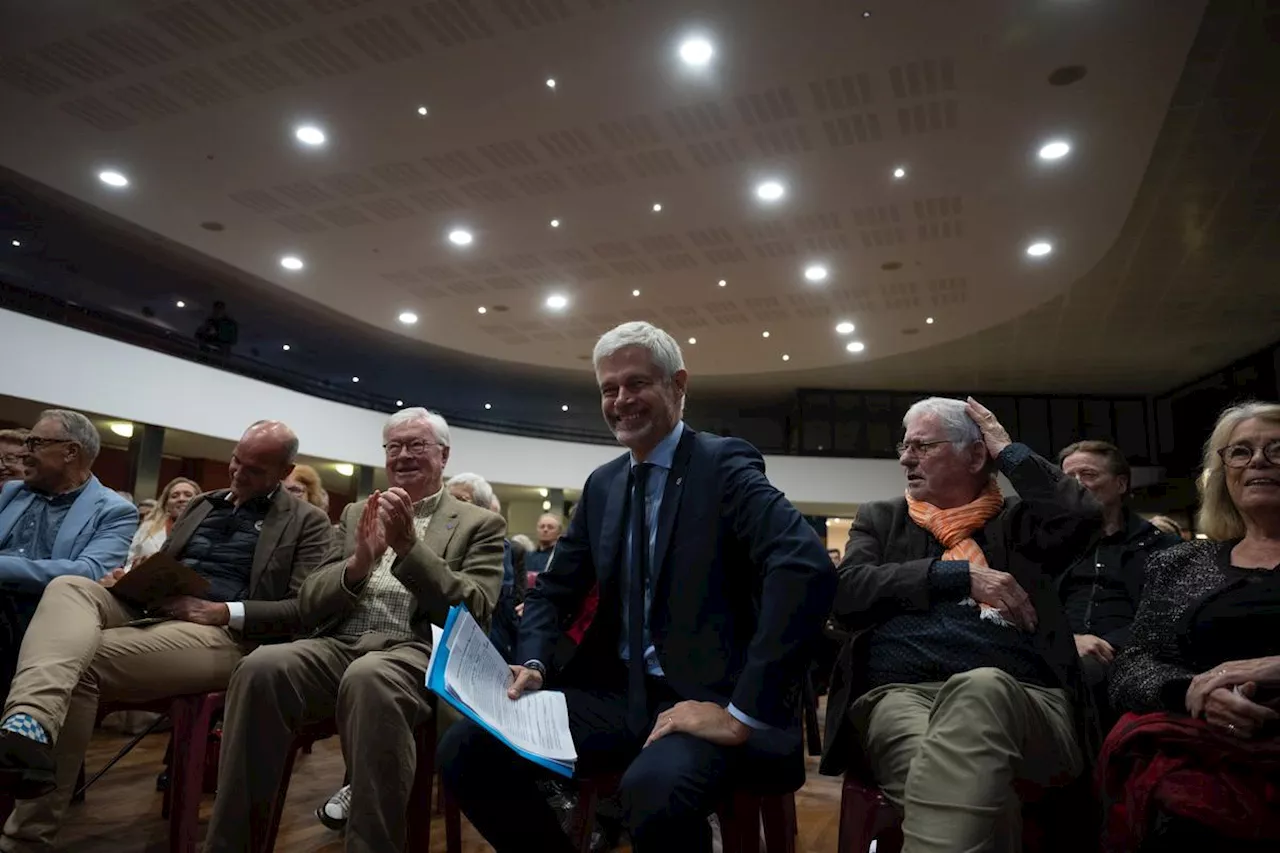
[(254, 542), (1100, 591)]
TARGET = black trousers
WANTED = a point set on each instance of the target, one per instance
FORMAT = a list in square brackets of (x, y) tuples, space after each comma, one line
[(667, 789)]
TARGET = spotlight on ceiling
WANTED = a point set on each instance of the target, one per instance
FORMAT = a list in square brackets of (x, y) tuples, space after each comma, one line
[(635, 292), (285, 347), (1039, 249), (488, 406), (657, 208), (460, 237), (786, 357), (929, 320), (555, 223), (546, 506), (565, 407), (551, 82), (764, 334), (16, 243), (399, 402), (770, 191), (346, 469), (291, 262), (696, 52), (722, 282), (422, 111), (482, 310), (408, 318), (124, 429), (544, 493), (693, 340), (180, 304), (899, 173), (855, 346), (845, 328), (112, 178), (309, 134), (355, 378), (557, 302), (815, 272), (1055, 150)]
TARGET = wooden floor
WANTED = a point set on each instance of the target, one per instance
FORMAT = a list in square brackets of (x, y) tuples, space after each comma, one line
[(122, 811)]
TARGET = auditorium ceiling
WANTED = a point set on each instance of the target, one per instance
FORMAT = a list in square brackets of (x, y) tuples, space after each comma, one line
[(1055, 195)]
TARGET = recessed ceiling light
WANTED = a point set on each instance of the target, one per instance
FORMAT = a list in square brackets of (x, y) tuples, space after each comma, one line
[(546, 505), (555, 223), (113, 179), (770, 191), (845, 328), (422, 111), (309, 134), (551, 82), (564, 408), (855, 346), (482, 310), (285, 347), (657, 208), (488, 406), (291, 262), (696, 51), (722, 282), (899, 173), (693, 340), (355, 378), (460, 237), (1039, 249), (786, 357), (866, 13), (764, 334), (180, 304), (408, 318), (16, 242), (635, 293), (346, 469), (399, 402), (929, 320), (815, 272), (1055, 150), (557, 301), (122, 429)]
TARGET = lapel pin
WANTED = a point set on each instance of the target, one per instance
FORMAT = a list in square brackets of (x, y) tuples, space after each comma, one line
[(257, 525), (679, 480)]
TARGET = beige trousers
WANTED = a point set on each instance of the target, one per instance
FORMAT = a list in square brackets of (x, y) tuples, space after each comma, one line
[(949, 753), (374, 685), (75, 655)]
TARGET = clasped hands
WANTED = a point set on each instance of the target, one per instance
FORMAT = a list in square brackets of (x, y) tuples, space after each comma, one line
[(1224, 695), (386, 522), (705, 720)]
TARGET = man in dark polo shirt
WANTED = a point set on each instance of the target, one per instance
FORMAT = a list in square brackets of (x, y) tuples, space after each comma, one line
[(256, 544)]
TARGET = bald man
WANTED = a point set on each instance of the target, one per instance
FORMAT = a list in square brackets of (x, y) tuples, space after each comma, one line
[(255, 543), (549, 530)]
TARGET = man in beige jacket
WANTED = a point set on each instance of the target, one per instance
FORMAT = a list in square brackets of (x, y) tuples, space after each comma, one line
[(403, 558)]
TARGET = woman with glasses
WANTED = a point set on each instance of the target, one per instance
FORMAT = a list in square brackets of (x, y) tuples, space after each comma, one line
[(1197, 759), (12, 451)]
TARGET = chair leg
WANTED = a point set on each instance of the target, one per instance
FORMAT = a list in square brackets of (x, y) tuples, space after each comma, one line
[(858, 818), (739, 817), (584, 817), (192, 721), (452, 823), (779, 816), (419, 840)]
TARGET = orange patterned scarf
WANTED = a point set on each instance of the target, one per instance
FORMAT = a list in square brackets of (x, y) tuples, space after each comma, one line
[(954, 527)]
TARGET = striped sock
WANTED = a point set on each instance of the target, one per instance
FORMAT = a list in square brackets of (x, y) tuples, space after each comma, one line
[(26, 726)]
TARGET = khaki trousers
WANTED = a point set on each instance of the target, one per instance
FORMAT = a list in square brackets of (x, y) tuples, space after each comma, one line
[(76, 655), (949, 753), (376, 687)]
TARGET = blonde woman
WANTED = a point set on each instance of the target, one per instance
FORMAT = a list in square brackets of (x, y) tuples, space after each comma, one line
[(154, 529), (304, 484)]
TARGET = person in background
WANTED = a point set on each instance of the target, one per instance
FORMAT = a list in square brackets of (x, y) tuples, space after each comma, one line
[(218, 333), (960, 677), (549, 529), (254, 543), (304, 484), (59, 520), (1100, 591), (835, 555), (1196, 765), (12, 452), (145, 506), (155, 527), (524, 542)]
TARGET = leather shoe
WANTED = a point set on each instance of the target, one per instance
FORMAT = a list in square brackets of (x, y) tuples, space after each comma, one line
[(27, 767)]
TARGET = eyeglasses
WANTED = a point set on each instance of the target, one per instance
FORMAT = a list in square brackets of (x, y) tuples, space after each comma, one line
[(919, 448), (417, 447), (35, 442), (1240, 455), (12, 460)]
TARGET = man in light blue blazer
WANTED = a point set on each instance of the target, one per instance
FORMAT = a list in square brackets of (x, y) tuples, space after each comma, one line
[(59, 520)]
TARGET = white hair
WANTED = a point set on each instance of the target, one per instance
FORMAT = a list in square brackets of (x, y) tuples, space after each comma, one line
[(952, 414), (416, 413), (662, 348), (76, 427), (481, 491)]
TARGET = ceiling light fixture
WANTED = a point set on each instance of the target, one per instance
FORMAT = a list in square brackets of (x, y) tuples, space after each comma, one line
[(460, 237), (124, 429), (1055, 150), (693, 340), (543, 493), (482, 310), (764, 334), (565, 407), (180, 304), (488, 406), (722, 282), (657, 208), (855, 346), (557, 301), (696, 51), (16, 243), (355, 378), (555, 223), (408, 318), (285, 347), (346, 469), (899, 173), (113, 178), (1039, 249), (635, 292), (770, 191), (309, 134), (291, 262), (815, 272), (399, 402), (551, 82), (929, 320), (422, 111), (546, 506), (844, 328), (786, 357)]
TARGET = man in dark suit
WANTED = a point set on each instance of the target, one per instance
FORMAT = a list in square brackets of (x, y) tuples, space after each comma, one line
[(961, 677), (255, 543), (712, 587)]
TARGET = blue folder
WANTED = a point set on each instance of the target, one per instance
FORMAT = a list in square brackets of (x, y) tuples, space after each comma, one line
[(435, 682)]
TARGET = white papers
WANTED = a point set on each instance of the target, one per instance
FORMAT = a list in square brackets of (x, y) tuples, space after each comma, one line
[(476, 674)]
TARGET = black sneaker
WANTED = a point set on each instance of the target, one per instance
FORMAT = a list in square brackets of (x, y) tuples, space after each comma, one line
[(27, 767)]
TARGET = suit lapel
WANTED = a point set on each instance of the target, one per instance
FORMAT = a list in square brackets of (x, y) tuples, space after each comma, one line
[(671, 502), (442, 526), (272, 529), (611, 532), (78, 516)]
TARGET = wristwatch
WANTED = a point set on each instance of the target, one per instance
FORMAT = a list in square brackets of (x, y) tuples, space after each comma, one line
[(537, 666)]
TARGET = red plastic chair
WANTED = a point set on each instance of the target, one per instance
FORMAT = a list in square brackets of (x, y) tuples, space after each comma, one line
[(420, 801), (866, 815)]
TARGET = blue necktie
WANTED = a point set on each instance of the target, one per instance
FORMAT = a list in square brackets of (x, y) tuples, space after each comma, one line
[(637, 703)]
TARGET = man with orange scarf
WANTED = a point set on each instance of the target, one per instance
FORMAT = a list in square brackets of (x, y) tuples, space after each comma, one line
[(961, 678)]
